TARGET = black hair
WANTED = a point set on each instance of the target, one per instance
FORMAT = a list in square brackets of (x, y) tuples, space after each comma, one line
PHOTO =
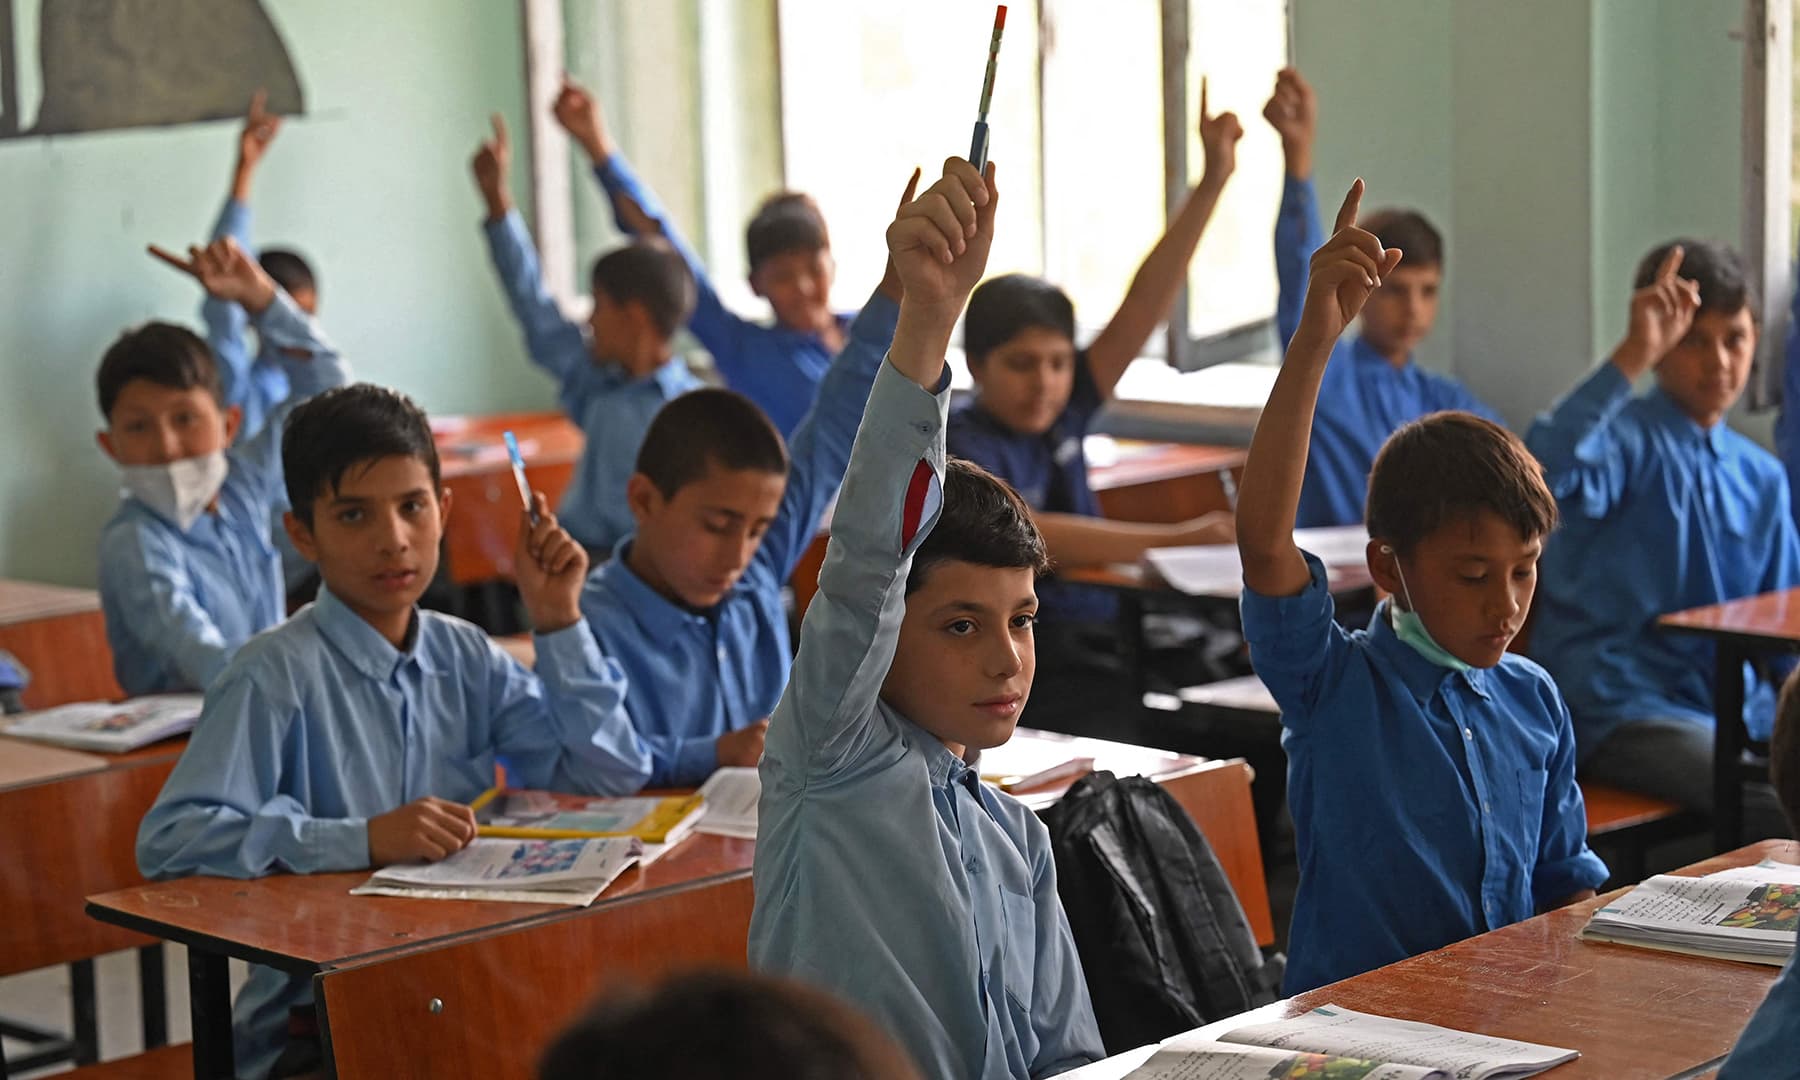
[(651, 273), (984, 522), (786, 221), (1420, 244), (1001, 307), (1720, 272), (289, 270), (1450, 465), (708, 426), (347, 426), (158, 352)]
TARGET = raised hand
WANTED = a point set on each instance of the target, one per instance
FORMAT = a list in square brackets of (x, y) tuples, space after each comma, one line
[(1661, 314), (579, 114), (492, 165), (1346, 270), (424, 830), (226, 272), (260, 129), (1219, 137), (550, 568), (890, 277), (1293, 111), (939, 242)]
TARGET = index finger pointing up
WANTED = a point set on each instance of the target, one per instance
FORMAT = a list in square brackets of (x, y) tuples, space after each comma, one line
[(1671, 263), (1346, 215), (1205, 113), (499, 129)]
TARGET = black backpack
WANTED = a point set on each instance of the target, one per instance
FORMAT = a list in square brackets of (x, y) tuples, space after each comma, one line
[(1162, 937)]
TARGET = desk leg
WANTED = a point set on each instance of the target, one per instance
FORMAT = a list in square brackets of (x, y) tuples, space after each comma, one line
[(153, 996), (1728, 748), (209, 999), (86, 1017)]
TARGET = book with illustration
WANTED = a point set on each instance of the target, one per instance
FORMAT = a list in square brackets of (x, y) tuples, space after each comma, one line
[(571, 872)]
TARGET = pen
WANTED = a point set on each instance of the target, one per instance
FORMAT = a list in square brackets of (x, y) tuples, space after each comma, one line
[(978, 150), (518, 467)]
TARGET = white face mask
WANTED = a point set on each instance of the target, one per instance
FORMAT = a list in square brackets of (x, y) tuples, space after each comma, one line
[(181, 490)]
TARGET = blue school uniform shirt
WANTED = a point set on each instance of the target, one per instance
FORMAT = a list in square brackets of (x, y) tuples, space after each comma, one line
[(1658, 515), (695, 675), (178, 604), (1429, 805), (321, 724), (774, 366), (1787, 421), (1769, 1049), (886, 871), (254, 381), (1363, 398), (612, 409)]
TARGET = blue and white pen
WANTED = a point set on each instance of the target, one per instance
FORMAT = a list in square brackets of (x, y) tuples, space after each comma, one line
[(978, 150), (518, 467)]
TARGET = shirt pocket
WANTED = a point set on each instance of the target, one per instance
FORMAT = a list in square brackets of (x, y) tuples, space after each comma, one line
[(1530, 821), (1018, 965)]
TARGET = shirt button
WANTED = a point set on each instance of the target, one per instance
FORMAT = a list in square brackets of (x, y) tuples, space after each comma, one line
[(721, 654), (972, 866), (1467, 734), (1486, 807)]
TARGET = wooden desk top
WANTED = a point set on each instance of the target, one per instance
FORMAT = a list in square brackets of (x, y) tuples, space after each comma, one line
[(23, 601), (470, 445), (23, 762), (1149, 463), (1772, 619)]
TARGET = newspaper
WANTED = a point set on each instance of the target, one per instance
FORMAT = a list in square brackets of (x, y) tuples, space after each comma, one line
[(108, 727), (1748, 914), (1217, 570), (1346, 1045), (731, 796), (571, 872)]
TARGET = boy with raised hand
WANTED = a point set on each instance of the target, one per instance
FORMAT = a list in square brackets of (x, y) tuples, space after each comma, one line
[(612, 381), (1665, 508), (1431, 773), (351, 735), (886, 871), (1373, 387), (778, 367), (187, 568)]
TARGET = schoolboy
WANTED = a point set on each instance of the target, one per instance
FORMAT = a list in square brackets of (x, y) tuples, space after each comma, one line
[(1374, 386), (1664, 508), (613, 382), (1431, 773), (1766, 1049), (778, 367), (690, 606), (351, 735), (886, 872), (187, 568)]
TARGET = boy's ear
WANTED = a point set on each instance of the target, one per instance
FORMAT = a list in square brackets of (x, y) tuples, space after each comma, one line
[(642, 496), (104, 438), (755, 280), (1382, 562), (234, 422), (443, 509), (301, 535)]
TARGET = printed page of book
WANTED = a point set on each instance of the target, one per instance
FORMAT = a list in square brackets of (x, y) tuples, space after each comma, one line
[(105, 726), (1747, 914), (518, 810), (731, 796), (1218, 1061), (1329, 1029), (520, 864)]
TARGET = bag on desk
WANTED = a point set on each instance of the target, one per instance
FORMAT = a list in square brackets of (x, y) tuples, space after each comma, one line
[(1164, 942)]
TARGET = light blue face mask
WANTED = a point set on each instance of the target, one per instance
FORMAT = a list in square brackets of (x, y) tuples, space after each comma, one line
[(1408, 627)]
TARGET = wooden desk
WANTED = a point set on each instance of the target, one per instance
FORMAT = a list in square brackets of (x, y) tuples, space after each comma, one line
[(1739, 630), (1631, 1012), (484, 516), (60, 635)]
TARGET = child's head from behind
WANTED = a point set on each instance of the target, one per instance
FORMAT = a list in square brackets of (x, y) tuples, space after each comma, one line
[(790, 260), (966, 656), (1458, 514), (294, 275), (709, 480), (1784, 751), (367, 500), (1705, 372), (714, 1024), (1019, 336), (1400, 314), (643, 293), (159, 390)]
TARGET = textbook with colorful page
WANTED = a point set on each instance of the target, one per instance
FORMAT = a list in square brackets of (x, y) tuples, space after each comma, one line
[(1340, 1044), (1747, 913), (107, 727), (539, 815), (731, 795), (571, 872)]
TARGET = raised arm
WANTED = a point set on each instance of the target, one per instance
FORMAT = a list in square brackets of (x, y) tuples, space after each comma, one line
[(226, 322), (160, 607), (1293, 111), (1159, 278), (1344, 273)]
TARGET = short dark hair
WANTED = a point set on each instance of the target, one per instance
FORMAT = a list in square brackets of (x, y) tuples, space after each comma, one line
[(708, 426), (1720, 272), (651, 273), (1001, 307), (1784, 750), (1450, 465), (786, 221), (1420, 244), (162, 353), (984, 522), (347, 426), (289, 270), (706, 1025)]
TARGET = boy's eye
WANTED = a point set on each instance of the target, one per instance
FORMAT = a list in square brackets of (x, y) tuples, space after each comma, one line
[(1472, 579), (1525, 573), (349, 517), (757, 531), (412, 506), (962, 627), (1024, 622)]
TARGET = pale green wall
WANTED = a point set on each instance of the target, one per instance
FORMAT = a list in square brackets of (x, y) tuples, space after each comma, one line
[(372, 184)]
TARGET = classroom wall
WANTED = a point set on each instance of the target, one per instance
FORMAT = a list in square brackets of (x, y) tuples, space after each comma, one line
[(372, 184)]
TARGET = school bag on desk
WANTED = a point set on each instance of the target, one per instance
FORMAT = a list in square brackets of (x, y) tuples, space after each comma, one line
[(1163, 940)]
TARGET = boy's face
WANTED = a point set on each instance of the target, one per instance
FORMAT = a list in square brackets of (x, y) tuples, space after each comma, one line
[(1706, 370), (152, 424), (612, 333), (306, 300), (797, 284), (1471, 582), (375, 538), (1400, 314), (693, 546), (963, 666), (1025, 382)]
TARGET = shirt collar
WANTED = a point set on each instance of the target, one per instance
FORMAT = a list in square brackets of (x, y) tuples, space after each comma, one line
[(1365, 354), (943, 766), (672, 377), (363, 645), (1674, 419), (660, 618), (1421, 677)]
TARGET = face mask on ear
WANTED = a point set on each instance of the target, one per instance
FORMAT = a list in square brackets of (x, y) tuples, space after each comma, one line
[(181, 490), (1408, 627)]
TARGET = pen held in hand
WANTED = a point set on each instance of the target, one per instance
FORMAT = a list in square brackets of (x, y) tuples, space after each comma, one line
[(518, 469), (978, 149)]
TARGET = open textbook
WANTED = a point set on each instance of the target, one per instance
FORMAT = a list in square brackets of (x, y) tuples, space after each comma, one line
[(1339, 1044), (1747, 913), (571, 872), (731, 796), (1217, 570), (109, 728), (539, 815)]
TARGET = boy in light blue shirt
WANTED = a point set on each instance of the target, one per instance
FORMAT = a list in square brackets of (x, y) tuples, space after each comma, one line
[(1431, 773), (886, 871), (351, 736), (613, 382), (187, 568)]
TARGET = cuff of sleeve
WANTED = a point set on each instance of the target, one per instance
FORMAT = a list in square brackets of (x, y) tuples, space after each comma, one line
[(283, 321), (1553, 882), (1606, 388), (1297, 188), (335, 843), (571, 649), (504, 225), (876, 322), (1279, 626), (614, 174), (905, 412), (696, 760)]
